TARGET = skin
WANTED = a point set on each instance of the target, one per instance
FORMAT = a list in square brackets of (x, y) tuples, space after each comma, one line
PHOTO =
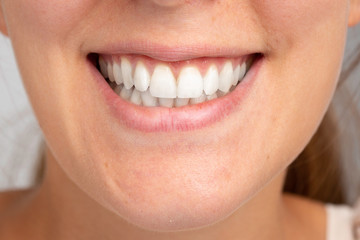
[(106, 181)]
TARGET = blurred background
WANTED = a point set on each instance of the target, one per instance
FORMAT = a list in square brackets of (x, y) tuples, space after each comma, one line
[(21, 141)]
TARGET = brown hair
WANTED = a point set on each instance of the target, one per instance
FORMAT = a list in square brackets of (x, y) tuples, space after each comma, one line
[(321, 171)]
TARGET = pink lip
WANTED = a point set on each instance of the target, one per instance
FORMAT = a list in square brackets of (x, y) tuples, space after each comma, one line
[(187, 118)]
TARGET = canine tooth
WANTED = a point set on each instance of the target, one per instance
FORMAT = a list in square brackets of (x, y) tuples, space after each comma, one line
[(200, 99), (135, 97), (211, 80), (190, 83), (236, 75), (110, 72), (126, 73), (166, 102), (162, 83), (242, 71), (226, 77), (211, 97), (141, 77), (118, 89), (179, 102), (103, 67), (126, 93), (148, 100), (117, 73)]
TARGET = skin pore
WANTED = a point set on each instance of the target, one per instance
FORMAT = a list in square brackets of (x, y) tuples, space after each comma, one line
[(104, 180)]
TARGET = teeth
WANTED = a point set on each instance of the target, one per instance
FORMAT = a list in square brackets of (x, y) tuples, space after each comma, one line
[(126, 73), (236, 75), (117, 73), (126, 93), (103, 67), (162, 89), (141, 77), (190, 83), (148, 100), (166, 102), (179, 102), (211, 80), (110, 73), (211, 97), (226, 77), (163, 84), (135, 97), (199, 99)]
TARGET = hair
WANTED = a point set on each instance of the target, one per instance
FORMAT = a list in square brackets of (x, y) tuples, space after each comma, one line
[(327, 169)]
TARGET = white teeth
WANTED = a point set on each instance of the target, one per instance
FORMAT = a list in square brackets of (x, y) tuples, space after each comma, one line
[(197, 100), (103, 67), (126, 73), (211, 97), (148, 100), (135, 97), (163, 84), (179, 102), (117, 73), (236, 75), (110, 73), (126, 93), (211, 80), (190, 83), (226, 77), (166, 102), (162, 89), (141, 77), (242, 71)]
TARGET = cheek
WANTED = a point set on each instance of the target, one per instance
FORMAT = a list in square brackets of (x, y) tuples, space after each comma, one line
[(49, 20)]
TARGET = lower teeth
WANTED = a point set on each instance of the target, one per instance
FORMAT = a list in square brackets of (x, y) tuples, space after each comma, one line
[(145, 99)]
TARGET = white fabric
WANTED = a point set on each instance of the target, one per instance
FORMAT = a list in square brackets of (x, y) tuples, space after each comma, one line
[(339, 222)]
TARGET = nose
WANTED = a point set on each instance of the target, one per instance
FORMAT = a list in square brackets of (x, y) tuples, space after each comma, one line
[(170, 3)]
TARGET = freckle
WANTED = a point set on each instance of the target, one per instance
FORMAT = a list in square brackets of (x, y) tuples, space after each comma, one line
[(106, 164)]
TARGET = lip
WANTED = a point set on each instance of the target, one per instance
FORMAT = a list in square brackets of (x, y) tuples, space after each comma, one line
[(186, 118), (172, 53)]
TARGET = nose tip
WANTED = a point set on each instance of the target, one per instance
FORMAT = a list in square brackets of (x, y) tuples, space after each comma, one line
[(169, 3)]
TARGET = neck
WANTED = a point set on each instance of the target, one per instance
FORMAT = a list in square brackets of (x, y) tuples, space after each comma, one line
[(69, 213)]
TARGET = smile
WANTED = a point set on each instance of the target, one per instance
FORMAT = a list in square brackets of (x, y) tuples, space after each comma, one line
[(152, 95), (147, 82)]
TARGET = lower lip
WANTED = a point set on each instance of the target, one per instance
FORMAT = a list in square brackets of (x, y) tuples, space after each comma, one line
[(187, 118)]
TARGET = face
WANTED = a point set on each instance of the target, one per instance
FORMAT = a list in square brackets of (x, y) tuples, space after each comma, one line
[(177, 168)]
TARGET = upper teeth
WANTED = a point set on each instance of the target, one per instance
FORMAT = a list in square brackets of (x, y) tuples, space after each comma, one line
[(139, 84)]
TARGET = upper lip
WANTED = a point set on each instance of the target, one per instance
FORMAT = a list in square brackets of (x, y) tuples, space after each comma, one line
[(172, 53)]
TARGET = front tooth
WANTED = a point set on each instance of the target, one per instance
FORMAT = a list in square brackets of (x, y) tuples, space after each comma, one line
[(200, 99), (211, 80), (135, 97), (126, 73), (226, 77), (179, 102), (117, 73), (141, 77), (236, 75), (190, 83), (148, 100), (126, 93), (110, 72), (103, 67), (166, 102), (162, 83)]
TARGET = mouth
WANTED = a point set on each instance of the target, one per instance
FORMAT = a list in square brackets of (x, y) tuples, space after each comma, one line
[(153, 95)]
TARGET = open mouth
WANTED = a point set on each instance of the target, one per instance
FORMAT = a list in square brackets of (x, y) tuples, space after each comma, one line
[(152, 83)]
